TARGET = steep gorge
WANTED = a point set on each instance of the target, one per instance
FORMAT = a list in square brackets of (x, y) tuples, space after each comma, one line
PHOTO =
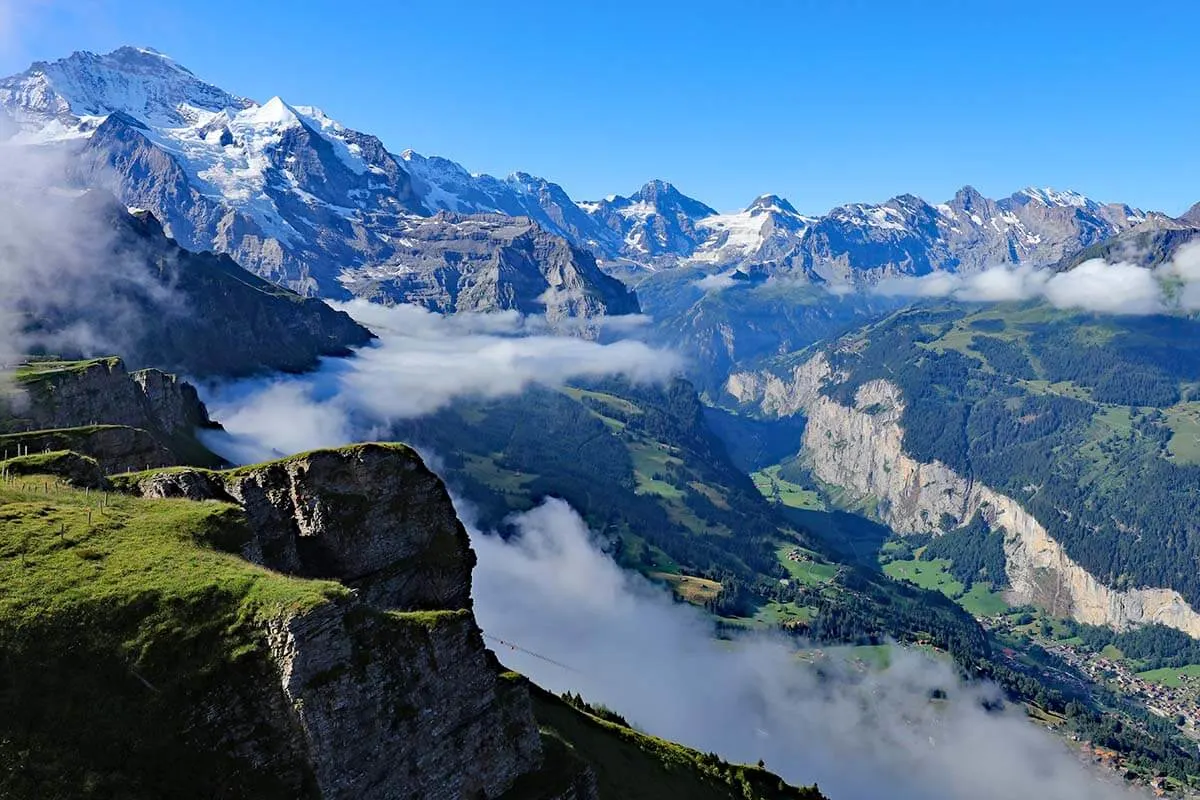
[(860, 450)]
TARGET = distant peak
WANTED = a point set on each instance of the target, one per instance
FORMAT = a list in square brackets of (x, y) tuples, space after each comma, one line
[(273, 112), (1050, 197), (655, 188), (1192, 215), (968, 199), (130, 50), (139, 81), (659, 193), (769, 202)]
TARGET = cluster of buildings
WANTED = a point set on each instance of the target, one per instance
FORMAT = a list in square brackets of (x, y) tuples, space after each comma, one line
[(1180, 703)]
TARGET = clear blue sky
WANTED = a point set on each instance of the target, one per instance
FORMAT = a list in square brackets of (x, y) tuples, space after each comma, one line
[(822, 102)]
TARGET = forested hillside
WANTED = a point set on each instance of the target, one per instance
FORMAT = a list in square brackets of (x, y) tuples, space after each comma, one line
[(1091, 422)]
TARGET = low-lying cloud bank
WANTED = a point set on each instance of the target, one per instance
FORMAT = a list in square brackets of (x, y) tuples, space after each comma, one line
[(860, 735), (421, 363), (1094, 285)]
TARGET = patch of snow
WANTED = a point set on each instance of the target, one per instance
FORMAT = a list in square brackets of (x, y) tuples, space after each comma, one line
[(885, 217), (640, 210), (1050, 197), (636, 240)]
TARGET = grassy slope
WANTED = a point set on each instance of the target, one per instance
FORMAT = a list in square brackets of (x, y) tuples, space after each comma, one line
[(979, 600), (778, 489), (634, 766), (117, 615), (1170, 676)]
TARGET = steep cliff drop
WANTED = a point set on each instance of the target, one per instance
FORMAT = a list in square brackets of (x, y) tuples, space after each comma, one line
[(859, 449), (301, 628)]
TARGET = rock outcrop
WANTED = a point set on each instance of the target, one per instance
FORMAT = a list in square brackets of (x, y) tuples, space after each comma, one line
[(484, 262), (124, 420), (102, 391), (860, 450), (391, 692), (115, 448), (370, 516)]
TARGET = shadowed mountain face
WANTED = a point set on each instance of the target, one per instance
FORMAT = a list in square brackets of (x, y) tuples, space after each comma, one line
[(1145, 247), (484, 262), (129, 285)]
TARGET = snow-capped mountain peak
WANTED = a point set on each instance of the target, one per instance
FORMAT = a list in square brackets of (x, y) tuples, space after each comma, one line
[(664, 198), (771, 203), (298, 197), (1050, 197), (137, 81), (764, 231)]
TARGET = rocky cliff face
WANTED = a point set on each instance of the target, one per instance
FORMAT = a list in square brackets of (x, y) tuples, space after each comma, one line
[(860, 450), (489, 262), (391, 692), (370, 516), (124, 420), (102, 391)]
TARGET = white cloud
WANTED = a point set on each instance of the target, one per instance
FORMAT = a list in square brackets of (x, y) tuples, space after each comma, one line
[(859, 735), (421, 363), (68, 283), (1184, 269), (1094, 285), (716, 282), (935, 284)]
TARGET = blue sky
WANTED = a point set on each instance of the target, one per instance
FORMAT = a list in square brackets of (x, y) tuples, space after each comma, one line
[(822, 102)]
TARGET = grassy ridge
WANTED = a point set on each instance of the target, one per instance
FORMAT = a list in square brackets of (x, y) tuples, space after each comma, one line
[(121, 617)]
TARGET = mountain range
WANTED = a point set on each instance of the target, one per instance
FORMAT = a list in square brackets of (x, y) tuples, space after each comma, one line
[(301, 200)]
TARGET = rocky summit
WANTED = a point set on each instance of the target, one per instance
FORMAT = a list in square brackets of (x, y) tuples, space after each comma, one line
[(455, 263), (289, 193)]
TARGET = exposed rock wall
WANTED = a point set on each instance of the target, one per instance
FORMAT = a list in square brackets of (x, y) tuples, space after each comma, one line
[(125, 420), (396, 707), (116, 448), (174, 404), (372, 516), (392, 692), (860, 450), (490, 262), (104, 392)]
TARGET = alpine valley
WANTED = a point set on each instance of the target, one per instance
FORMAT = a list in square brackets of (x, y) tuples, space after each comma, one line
[(965, 433)]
